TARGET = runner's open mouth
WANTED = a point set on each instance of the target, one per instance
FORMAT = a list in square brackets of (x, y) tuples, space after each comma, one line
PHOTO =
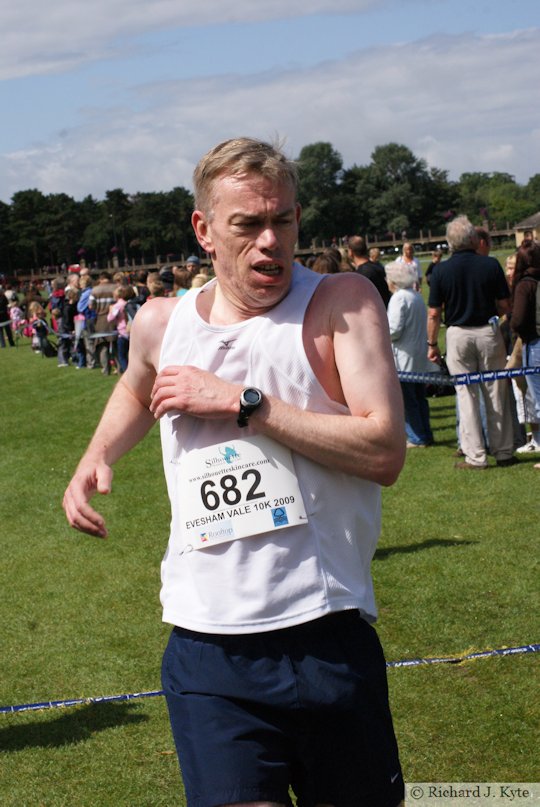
[(271, 269)]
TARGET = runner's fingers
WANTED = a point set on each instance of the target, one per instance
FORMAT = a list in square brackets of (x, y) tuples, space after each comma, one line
[(164, 386), (83, 517), (166, 398)]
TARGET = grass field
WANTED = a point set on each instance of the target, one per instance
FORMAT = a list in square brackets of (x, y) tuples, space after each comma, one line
[(455, 571)]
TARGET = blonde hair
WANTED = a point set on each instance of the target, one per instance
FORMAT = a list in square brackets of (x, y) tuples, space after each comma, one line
[(199, 280), (237, 157), (35, 309)]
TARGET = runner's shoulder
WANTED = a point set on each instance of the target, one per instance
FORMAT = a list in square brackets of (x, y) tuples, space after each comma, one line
[(347, 289)]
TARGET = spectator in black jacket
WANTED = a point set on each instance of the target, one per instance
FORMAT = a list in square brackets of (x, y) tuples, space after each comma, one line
[(358, 254)]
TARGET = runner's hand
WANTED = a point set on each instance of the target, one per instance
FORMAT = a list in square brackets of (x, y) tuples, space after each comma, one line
[(194, 392), (90, 478)]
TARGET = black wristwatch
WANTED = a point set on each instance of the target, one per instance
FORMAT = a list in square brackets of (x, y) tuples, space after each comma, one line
[(250, 400)]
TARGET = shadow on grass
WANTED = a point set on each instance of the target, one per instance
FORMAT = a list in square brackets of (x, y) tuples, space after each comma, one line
[(76, 726), (386, 552), (444, 411)]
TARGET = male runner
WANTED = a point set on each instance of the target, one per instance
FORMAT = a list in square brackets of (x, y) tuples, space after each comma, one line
[(281, 417)]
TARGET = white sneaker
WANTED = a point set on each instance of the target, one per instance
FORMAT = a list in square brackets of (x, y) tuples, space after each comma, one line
[(529, 448)]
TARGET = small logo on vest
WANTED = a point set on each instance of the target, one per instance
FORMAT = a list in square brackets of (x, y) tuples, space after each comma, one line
[(279, 514), (229, 454), (226, 344)]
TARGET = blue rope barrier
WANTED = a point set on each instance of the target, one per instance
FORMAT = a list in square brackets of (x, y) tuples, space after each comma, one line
[(32, 707), (505, 651), (442, 380)]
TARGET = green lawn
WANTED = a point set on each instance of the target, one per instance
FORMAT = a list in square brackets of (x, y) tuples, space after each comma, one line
[(455, 571)]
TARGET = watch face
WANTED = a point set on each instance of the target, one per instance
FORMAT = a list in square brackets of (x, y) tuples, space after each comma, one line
[(252, 396), (250, 399)]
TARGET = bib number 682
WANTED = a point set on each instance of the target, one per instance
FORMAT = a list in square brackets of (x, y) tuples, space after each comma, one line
[(230, 493)]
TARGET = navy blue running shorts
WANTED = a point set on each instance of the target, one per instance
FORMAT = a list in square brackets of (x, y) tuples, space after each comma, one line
[(305, 707)]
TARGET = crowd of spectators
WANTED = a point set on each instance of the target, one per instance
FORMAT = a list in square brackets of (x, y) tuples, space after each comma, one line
[(491, 322), (85, 320)]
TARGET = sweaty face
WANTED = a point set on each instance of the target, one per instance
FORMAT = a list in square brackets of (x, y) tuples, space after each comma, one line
[(251, 236)]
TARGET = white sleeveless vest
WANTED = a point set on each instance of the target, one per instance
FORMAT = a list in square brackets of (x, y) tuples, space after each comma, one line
[(279, 578)]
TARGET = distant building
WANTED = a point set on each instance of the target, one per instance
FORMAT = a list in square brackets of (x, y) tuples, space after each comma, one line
[(532, 224)]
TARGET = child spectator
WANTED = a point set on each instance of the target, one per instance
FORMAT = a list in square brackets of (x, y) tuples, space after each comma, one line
[(140, 287), (40, 329), (117, 316), (86, 348), (182, 281), (199, 281), (155, 285), (16, 316)]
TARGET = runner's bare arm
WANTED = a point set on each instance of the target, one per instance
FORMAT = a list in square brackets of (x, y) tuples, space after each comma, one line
[(353, 360), (347, 341), (125, 420)]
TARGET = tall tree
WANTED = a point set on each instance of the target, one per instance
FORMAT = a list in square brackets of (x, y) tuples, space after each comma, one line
[(400, 183), (532, 193), (358, 189), (61, 229), (95, 239), (28, 219), (118, 206), (320, 169), (145, 225), (6, 246), (493, 197), (177, 231), (442, 197)]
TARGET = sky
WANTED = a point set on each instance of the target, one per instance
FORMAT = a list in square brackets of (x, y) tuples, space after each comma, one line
[(130, 93)]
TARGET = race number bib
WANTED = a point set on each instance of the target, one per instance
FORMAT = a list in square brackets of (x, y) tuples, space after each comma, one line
[(237, 489)]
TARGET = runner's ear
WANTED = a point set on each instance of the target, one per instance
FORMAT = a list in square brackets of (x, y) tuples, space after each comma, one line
[(202, 230)]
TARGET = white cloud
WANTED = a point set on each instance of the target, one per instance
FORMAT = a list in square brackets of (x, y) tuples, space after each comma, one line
[(464, 104), (58, 35)]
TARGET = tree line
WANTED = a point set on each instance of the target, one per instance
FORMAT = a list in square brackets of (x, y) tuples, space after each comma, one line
[(396, 192)]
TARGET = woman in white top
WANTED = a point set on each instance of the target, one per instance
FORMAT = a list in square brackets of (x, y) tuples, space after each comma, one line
[(407, 318)]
